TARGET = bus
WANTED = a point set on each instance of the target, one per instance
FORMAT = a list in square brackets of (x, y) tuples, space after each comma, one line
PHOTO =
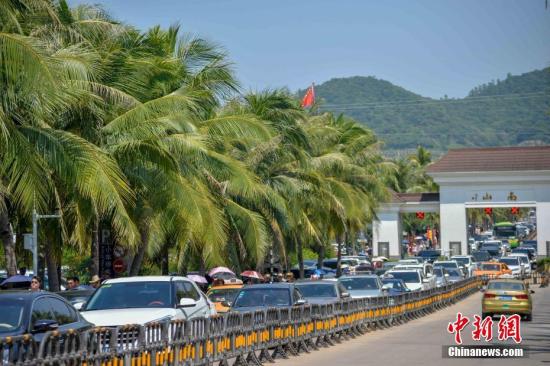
[(506, 231)]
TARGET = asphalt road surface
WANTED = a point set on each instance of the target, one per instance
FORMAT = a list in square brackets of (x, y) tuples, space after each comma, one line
[(419, 342)]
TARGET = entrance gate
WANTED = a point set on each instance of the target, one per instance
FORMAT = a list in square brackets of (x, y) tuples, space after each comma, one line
[(474, 178)]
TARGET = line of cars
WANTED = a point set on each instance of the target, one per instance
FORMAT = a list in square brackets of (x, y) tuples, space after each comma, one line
[(156, 298)]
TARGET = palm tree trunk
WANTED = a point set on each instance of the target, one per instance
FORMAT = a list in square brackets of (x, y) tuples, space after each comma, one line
[(94, 249), (320, 253), (300, 254), (138, 257), (164, 265), (6, 233), (53, 267), (339, 257)]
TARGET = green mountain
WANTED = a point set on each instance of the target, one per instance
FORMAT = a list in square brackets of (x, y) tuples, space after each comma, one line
[(514, 111)]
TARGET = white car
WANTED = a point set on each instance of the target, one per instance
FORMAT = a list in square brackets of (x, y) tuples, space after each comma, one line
[(514, 264), (410, 261), (465, 262), (524, 259), (425, 268), (142, 300), (414, 279)]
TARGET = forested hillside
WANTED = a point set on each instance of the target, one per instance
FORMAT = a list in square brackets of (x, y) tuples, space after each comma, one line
[(512, 111)]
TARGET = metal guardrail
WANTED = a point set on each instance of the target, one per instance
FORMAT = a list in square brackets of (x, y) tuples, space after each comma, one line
[(249, 338)]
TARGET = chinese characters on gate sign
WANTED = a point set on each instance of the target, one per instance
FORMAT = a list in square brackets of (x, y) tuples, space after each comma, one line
[(508, 328)]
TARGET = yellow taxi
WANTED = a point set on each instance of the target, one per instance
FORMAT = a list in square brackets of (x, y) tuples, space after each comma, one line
[(223, 293), (507, 296), (489, 270)]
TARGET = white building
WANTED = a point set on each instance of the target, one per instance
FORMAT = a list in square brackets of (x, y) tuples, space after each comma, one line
[(473, 178)]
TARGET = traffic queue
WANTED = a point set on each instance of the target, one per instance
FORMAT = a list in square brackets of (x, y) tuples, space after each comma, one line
[(146, 299)]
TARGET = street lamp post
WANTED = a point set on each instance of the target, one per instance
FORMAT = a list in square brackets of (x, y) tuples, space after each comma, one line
[(35, 218)]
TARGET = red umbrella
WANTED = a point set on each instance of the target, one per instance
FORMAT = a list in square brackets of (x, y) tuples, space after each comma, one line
[(252, 274)]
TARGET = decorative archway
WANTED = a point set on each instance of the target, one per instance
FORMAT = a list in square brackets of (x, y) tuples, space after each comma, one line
[(475, 178)]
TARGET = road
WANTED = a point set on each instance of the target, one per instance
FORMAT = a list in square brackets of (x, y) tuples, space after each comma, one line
[(419, 342)]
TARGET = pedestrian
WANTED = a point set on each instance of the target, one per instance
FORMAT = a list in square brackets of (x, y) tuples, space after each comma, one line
[(35, 283), (23, 271), (289, 277), (280, 277), (95, 282), (267, 278), (73, 283)]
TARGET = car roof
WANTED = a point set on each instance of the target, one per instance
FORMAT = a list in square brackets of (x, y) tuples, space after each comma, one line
[(325, 281), (403, 270), (233, 286), (24, 294), (506, 280), (360, 275), (147, 279), (269, 285), (451, 261)]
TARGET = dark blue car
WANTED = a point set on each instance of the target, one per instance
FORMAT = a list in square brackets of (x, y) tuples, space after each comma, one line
[(272, 295), (25, 312)]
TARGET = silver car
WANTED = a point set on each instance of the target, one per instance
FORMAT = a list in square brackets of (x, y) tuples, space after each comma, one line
[(361, 286)]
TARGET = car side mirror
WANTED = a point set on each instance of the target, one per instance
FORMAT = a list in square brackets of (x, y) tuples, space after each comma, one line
[(44, 325), (79, 305), (387, 287), (186, 303), (300, 302), (446, 275), (226, 304), (426, 280), (345, 295)]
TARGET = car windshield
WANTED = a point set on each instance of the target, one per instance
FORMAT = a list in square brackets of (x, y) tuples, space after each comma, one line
[(509, 261), (223, 294), (446, 264), (490, 267), (360, 283), (454, 272), (407, 277), (438, 271), (317, 289), (350, 261), (11, 315), (395, 284), (481, 256), (151, 294), (428, 253), (511, 286), (462, 261), (523, 259), (262, 297)]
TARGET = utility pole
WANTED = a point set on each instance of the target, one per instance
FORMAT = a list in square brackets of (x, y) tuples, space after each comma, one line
[(35, 218)]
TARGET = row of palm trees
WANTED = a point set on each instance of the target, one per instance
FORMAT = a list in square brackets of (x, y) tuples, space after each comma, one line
[(147, 134)]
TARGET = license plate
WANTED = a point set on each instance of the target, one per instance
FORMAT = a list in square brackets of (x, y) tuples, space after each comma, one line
[(505, 298)]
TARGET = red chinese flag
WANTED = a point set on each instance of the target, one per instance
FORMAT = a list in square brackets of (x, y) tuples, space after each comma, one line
[(309, 97)]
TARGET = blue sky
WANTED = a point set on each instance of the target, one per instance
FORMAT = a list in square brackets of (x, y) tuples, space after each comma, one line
[(431, 47)]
